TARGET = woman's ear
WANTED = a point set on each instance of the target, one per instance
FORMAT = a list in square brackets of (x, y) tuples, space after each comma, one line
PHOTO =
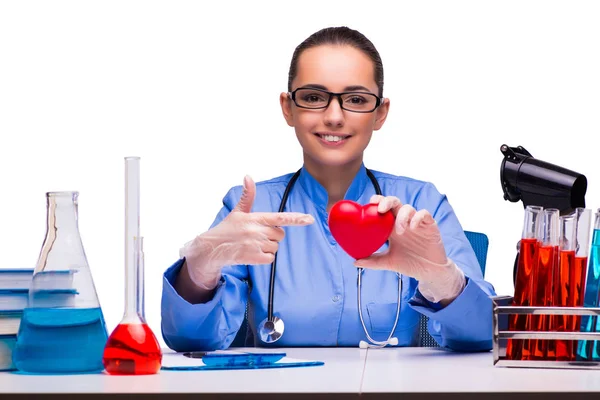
[(286, 108), (381, 114)]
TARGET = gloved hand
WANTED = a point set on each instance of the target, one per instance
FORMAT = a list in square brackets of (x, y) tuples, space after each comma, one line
[(242, 237), (416, 249)]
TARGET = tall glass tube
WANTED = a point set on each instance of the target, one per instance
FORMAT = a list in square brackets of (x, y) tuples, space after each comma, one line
[(139, 276), (132, 348), (588, 349), (528, 246), (132, 238), (542, 280), (579, 271), (562, 350)]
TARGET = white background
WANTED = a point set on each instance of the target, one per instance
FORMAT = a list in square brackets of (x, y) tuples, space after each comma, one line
[(192, 88)]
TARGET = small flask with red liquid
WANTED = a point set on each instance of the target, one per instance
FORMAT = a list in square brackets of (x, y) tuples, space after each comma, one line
[(132, 348)]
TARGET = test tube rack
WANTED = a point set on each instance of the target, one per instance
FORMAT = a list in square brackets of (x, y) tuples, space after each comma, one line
[(501, 311)]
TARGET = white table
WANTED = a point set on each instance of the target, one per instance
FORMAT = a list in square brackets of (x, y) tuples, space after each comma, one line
[(347, 373), (342, 373), (431, 371)]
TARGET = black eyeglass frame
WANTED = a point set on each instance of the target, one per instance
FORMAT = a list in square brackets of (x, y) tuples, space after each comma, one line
[(378, 100)]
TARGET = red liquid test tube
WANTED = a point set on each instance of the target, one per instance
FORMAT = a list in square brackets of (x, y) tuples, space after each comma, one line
[(579, 271), (542, 279), (562, 350), (518, 349)]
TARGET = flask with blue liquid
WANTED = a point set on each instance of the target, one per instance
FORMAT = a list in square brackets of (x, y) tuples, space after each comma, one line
[(62, 329)]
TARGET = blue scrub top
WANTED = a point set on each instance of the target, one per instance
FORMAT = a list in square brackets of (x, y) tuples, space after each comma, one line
[(316, 282)]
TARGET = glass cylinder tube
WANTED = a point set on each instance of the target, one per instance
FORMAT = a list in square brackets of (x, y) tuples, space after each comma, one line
[(579, 271), (542, 277), (562, 350), (528, 246), (584, 219), (132, 235)]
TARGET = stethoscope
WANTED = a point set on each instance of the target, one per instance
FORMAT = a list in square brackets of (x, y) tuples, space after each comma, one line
[(271, 328)]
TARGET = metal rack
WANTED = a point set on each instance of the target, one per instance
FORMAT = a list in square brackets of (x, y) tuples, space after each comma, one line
[(502, 309)]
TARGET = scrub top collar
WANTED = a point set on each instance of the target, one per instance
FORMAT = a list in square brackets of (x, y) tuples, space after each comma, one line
[(317, 193)]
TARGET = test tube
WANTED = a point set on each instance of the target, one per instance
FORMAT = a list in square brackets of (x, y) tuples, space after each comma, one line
[(542, 280), (562, 350), (518, 349), (579, 271), (588, 349)]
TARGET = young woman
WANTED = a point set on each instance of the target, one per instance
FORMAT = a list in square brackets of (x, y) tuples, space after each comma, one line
[(334, 103)]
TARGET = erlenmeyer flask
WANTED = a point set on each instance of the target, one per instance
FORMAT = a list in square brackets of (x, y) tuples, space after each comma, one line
[(62, 329), (132, 348)]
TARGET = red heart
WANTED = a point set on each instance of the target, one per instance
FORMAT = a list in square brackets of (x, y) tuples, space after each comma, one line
[(359, 230)]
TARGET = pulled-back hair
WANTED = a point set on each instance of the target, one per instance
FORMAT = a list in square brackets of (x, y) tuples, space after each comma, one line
[(341, 36)]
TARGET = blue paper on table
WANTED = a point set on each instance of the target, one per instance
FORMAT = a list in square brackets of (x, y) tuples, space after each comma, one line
[(228, 359)]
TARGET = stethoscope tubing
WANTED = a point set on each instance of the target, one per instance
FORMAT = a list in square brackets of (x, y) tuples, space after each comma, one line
[(362, 321), (284, 198)]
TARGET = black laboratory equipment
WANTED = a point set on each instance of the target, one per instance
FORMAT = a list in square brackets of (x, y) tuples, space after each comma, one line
[(540, 183)]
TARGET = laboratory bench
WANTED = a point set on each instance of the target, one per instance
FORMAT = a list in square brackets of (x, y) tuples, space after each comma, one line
[(348, 373)]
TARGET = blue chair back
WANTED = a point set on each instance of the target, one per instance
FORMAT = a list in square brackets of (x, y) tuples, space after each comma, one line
[(480, 243)]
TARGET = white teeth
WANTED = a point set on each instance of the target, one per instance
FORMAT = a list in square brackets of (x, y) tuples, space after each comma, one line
[(331, 138)]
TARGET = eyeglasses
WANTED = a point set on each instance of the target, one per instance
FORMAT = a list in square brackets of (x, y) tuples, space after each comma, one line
[(361, 102)]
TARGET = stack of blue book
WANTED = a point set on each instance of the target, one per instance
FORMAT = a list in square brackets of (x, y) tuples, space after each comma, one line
[(14, 292)]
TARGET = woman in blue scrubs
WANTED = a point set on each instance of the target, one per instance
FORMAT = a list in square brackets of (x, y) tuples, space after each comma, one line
[(334, 103)]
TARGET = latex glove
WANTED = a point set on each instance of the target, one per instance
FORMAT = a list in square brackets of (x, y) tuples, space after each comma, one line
[(416, 249), (243, 237)]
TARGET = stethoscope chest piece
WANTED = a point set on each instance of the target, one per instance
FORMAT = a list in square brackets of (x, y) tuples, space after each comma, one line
[(271, 331)]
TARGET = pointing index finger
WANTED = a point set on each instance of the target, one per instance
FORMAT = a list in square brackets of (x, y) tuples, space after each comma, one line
[(284, 218)]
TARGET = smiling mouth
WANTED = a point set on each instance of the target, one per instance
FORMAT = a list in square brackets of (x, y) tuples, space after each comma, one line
[(332, 138)]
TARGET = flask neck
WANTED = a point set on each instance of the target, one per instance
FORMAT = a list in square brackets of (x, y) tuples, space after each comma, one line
[(62, 277), (62, 248), (62, 218), (134, 284)]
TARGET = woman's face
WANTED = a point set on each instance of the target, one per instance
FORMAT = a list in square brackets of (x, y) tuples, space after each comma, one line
[(335, 69)]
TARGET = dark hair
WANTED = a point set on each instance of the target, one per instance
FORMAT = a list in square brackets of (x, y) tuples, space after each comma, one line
[(339, 36)]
